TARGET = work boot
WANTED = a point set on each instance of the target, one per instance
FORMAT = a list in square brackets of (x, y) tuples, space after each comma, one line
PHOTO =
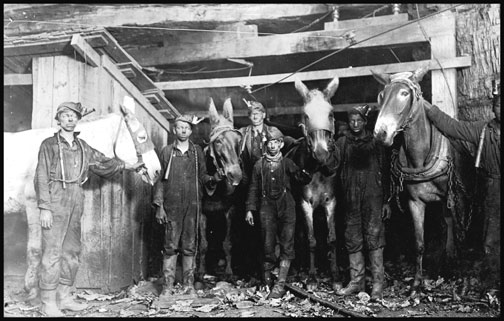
[(278, 290), (49, 306), (377, 270), (188, 274), (169, 266), (267, 278), (66, 301), (356, 283)]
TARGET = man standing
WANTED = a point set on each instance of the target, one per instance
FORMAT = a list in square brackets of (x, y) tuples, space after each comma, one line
[(64, 161), (270, 194), (177, 196), (364, 174), (485, 135)]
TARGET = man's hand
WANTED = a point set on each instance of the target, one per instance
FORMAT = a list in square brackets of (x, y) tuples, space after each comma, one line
[(161, 217), (386, 211), (137, 167), (219, 175), (249, 218), (46, 218)]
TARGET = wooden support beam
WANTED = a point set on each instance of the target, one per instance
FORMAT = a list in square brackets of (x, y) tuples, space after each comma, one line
[(446, 63), (368, 22), (112, 69), (285, 44), (18, 79), (277, 111), (444, 82), (55, 47), (134, 92), (85, 50)]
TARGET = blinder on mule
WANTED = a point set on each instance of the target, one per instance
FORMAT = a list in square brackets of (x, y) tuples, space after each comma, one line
[(214, 135)]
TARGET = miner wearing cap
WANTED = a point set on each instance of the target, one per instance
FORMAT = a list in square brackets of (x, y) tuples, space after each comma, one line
[(270, 195), (364, 175), (177, 198), (484, 134), (253, 147), (64, 161)]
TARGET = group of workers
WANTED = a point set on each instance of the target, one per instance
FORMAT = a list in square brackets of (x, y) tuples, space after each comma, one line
[(364, 175)]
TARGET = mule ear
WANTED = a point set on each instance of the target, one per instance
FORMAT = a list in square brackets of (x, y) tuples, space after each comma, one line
[(228, 110), (301, 88), (212, 112), (383, 79), (331, 88), (420, 73)]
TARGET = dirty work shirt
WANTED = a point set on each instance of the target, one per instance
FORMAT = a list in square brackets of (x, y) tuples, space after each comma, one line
[(490, 169), (364, 174), (180, 195), (270, 193), (61, 244)]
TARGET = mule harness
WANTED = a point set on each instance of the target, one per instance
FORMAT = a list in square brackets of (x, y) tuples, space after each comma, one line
[(216, 132), (434, 167)]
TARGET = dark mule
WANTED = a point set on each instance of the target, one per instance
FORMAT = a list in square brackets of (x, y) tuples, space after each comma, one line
[(222, 154), (313, 151), (424, 162)]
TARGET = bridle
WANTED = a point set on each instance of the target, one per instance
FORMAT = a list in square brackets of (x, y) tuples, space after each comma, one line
[(311, 133), (216, 132), (414, 88), (136, 143)]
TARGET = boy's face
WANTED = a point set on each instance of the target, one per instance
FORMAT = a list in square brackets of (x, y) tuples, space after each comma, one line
[(182, 130), (356, 123), (257, 117), (68, 119), (274, 146)]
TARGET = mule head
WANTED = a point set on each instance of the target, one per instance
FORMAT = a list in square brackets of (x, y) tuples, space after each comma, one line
[(318, 118), (225, 142), (134, 144), (396, 101)]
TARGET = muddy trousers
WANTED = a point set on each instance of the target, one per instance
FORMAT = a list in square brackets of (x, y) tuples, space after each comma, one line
[(491, 234), (278, 218), (61, 244)]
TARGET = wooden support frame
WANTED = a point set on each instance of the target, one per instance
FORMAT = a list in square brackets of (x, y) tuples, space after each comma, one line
[(446, 63), (18, 79), (277, 45), (278, 111), (112, 69)]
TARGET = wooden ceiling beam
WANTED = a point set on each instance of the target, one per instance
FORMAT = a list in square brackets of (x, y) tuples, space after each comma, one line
[(17, 79), (278, 111), (446, 63), (293, 43)]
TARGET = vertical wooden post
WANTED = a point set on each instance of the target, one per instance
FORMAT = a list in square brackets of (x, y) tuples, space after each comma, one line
[(335, 14), (396, 8), (444, 82), (43, 73)]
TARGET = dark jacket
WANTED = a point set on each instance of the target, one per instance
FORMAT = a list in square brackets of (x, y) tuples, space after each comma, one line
[(264, 182), (180, 186), (363, 154), (471, 131), (49, 166)]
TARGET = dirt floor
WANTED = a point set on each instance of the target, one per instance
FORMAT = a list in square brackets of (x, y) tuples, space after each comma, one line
[(452, 296)]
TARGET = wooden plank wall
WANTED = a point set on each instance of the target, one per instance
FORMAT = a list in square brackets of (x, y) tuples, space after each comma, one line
[(116, 211)]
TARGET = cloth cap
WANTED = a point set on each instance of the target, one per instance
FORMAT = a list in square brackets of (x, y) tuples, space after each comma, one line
[(190, 119), (273, 133), (76, 107), (362, 110), (255, 105)]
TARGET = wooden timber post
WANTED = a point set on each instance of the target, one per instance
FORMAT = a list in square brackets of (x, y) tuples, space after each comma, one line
[(444, 82)]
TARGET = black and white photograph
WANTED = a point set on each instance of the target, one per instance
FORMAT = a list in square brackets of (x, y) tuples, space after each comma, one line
[(252, 160)]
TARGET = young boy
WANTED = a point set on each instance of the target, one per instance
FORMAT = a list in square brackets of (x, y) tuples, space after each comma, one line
[(270, 193)]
